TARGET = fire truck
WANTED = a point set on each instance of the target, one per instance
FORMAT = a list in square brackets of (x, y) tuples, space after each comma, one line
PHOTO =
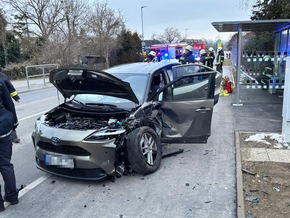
[(168, 51), (196, 47), (175, 50)]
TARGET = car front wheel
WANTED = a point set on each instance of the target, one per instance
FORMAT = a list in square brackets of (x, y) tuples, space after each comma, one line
[(144, 150)]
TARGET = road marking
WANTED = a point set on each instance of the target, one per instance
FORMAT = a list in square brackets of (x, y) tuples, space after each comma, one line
[(25, 118), (30, 187)]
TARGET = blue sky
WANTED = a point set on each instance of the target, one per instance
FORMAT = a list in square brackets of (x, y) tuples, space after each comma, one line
[(194, 15)]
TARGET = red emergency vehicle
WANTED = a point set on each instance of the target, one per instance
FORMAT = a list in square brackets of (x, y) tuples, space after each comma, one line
[(196, 47)]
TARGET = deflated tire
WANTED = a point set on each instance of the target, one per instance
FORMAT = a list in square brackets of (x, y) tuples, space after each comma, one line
[(144, 150)]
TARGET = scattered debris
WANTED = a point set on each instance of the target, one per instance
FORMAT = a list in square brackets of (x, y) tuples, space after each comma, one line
[(249, 172), (254, 190), (265, 192), (193, 187), (213, 151), (187, 184), (253, 199), (207, 202), (52, 182), (85, 205), (206, 152), (250, 215), (173, 153), (277, 189)]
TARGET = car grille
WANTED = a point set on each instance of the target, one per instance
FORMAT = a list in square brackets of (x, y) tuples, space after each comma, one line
[(64, 149)]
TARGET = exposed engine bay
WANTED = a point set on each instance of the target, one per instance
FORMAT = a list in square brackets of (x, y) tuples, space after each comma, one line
[(66, 119)]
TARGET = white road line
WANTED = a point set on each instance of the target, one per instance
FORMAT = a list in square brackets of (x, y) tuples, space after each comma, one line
[(25, 118), (30, 187)]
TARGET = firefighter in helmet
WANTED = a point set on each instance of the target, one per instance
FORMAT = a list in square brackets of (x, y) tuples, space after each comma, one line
[(211, 54), (220, 60), (268, 71), (187, 56), (151, 57)]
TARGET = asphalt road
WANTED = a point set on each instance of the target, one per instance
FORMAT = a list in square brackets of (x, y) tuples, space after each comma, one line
[(200, 182)]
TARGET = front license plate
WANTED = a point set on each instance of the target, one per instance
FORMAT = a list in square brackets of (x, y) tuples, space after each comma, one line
[(63, 161)]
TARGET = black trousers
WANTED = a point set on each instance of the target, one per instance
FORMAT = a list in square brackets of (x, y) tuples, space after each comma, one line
[(7, 169), (219, 68)]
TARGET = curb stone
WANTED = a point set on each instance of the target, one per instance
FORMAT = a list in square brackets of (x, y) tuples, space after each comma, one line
[(239, 177)]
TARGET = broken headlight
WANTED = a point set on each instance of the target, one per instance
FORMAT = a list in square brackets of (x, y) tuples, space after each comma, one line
[(105, 135)]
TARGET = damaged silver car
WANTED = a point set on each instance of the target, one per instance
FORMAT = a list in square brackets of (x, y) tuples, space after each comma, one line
[(116, 120)]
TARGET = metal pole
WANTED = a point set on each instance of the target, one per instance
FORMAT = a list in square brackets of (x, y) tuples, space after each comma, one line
[(43, 74), (26, 72), (186, 33), (143, 44), (239, 43)]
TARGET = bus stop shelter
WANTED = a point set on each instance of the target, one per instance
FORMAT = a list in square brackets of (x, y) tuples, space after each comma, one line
[(259, 26)]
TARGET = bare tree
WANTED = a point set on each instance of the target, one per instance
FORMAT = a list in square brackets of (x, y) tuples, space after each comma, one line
[(105, 24), (3, 54), (245, 4), (170, 35), (74, 15), (43, 15)]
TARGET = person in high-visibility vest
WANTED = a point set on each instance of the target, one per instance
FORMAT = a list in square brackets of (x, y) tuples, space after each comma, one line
[(187, 56), (211, 54), (268, 71), (220, 60), (15, 96), (8, 122), (151, 57)]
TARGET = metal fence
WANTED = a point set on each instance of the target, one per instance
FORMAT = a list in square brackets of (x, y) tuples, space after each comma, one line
[(43, 74)]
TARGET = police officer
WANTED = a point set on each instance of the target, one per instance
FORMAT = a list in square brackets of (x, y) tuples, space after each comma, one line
[(8, 122), (151, 57), (220, 60), (187, 56), (15, 96)]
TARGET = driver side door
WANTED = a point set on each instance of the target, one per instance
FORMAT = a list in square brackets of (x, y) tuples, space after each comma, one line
[(187, 106)]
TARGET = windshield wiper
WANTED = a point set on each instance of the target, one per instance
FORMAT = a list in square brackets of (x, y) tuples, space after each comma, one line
[(101, 104), (81, 103)]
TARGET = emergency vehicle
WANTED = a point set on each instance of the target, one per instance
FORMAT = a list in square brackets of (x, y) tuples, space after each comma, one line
[(196, 47), (168, 51)]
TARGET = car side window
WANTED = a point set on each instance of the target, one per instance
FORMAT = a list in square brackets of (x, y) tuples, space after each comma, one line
[(192, 87), (158, 81)]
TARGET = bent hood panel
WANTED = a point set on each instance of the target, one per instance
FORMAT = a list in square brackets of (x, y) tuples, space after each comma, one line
[(71, 81)]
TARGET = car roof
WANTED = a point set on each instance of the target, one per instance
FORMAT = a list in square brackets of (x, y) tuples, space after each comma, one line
[(141, 67)]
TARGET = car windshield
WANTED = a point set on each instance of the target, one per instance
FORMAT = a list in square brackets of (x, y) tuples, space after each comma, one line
[(137, 82)]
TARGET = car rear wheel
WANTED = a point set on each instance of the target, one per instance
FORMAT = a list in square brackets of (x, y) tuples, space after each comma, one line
[(144, 150)]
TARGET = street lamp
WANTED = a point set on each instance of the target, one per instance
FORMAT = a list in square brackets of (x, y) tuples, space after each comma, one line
[(143, 43)]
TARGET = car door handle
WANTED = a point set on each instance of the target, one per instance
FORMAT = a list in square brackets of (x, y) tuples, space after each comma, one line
[(203, 109)]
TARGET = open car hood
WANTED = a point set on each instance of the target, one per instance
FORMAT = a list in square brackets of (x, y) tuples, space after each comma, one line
[(72, 81)]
